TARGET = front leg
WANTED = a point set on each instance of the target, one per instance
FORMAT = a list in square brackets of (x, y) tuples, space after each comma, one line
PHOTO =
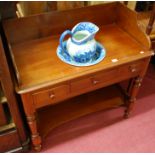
[(133, 91), (35, 138), (30, 112)]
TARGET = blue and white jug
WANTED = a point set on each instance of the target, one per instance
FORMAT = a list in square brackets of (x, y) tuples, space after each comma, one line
[(81, 46)]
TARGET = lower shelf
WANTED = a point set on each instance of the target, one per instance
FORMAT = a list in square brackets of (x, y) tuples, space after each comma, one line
[(55, 115)]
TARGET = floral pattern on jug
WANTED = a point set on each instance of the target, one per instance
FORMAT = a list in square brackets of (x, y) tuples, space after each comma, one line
[(81, 46)]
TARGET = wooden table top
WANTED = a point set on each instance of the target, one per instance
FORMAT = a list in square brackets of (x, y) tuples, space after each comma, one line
[(39, 66)]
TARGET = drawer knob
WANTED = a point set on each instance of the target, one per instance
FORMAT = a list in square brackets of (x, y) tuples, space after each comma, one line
[(133, 69), (95, 82), (52, 96)]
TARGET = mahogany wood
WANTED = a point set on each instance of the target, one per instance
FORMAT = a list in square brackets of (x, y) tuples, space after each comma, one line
[(78, 106), (16, 136), (54, 23), (47, 69), (45, 79), (128, 22), (10, 141)]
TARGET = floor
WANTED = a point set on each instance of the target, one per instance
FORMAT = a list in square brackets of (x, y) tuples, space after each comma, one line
[(107, 131)]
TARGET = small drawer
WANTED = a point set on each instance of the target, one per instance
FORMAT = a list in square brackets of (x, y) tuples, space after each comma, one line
[(50, 96), (132, 69), (104, 77), (81, 85), (87, 84), (120, 73)]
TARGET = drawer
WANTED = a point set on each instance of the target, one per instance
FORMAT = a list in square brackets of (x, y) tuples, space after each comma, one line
[(81, 85), (132, 69), (50, 96), (86, 84), (116, 75), (104, 77)]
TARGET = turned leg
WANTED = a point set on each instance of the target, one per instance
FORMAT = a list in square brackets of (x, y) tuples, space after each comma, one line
[(132, 91), (30, 112), (36, 140)]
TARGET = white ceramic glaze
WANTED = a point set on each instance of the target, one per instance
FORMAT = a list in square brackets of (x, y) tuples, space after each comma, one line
[(81, 46)]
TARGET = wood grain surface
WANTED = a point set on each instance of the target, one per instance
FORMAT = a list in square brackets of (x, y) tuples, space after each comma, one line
[(46, 68)]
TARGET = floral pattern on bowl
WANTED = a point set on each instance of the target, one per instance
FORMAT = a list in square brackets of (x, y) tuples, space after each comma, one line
[(65, 57)]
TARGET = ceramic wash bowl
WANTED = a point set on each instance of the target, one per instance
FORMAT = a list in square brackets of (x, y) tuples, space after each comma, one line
[(97, 57)]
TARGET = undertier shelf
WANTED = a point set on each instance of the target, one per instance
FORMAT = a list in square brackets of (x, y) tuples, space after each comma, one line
[(55, 115)]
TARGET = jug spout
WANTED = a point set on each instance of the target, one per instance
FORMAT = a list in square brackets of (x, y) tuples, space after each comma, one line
[(83, 32)]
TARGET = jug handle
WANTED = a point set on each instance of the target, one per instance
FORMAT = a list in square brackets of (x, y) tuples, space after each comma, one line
[(63, 36)]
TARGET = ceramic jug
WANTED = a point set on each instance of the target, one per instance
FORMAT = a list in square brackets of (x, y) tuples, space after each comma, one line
[(81, 46)]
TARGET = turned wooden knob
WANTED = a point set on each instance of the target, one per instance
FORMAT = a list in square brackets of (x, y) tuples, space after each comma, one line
[(133, 69), (95, 82), (52, 96)]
